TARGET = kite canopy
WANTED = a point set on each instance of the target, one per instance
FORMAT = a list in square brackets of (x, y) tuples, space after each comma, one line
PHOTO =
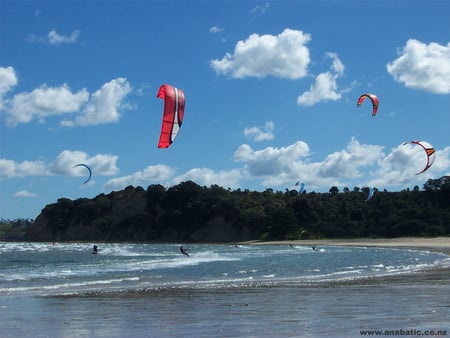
[(173, 114), (429, 150), (301, 185), (372, 98), (87, 167), (369, 197)]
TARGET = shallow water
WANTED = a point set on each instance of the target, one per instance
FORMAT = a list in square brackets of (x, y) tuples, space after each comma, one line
[(60, 269), (219, 291)]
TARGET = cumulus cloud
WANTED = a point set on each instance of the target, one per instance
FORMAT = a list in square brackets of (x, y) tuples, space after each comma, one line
[(261, 133), (8, 79), (150, 175), (104, 105), (400, 166), (208, 177), (442, 162), (348, 162), (284, 56), (44, 102), (10, 168), (424, 67), (356, 165), (325, 87), (54, 38), (271, 161), (162, 174), (101, 164)]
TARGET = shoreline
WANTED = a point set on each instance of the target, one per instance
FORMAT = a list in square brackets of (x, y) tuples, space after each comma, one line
[(438, 275), (436, 244)]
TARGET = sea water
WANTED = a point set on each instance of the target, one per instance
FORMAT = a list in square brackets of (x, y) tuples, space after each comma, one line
[(153, 290)]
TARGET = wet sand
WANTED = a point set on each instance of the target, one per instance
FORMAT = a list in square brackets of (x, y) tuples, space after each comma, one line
[(417, 300), (436, 244), (433, 276)]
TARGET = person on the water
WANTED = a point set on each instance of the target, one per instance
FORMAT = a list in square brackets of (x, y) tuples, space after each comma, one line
[(183, 251), (95, 249), (314, 248)]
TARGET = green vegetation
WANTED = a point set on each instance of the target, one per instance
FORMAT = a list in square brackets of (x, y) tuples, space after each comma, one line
[(188, 212), (14, 230)]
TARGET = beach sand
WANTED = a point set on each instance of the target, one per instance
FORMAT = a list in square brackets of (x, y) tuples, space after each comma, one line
[(436, 244), (416, 300), (433, 276)]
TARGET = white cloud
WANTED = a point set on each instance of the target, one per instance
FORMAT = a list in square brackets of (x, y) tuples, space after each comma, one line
[(215, 29), (9, 168), (150, 175), (400, 166), (101, 164), (356, 165), (24, 193), (104, 105), (271, 161), (325, 87), (424, 67), (284, 56), (8, 80), (261, 133), (43, 102), (261, 9), (163, 174), (348, 162), (54, 38), (208, 177), (442, 162), (101, 107)]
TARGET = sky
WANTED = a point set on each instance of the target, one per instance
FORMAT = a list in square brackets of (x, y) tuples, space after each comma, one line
[(271, 90)]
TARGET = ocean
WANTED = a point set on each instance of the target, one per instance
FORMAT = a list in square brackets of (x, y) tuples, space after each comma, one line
[(153, 290)]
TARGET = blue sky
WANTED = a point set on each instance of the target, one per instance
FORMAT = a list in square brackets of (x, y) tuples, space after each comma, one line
[(271, 90)]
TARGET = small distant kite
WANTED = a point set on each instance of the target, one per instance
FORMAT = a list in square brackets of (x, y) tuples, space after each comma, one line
[(173, 114), (87, 167), (429, 150), (302, 187), (371, 191), (372, 98)]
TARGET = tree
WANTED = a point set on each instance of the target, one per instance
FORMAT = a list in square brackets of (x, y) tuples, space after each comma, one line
[(334, 190)]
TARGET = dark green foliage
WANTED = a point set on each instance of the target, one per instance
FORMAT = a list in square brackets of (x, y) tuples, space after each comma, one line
[(14, 230), (188, 212)]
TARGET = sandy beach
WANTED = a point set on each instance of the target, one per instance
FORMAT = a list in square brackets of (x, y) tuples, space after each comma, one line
[(267, 295), (438, 244), (430, 276)]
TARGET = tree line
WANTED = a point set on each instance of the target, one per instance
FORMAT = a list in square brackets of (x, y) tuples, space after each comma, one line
[(188, 212), (14, 230)]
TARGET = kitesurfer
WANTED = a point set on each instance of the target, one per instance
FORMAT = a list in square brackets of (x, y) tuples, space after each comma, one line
[(314, 248), (95, 249), (183, 251)]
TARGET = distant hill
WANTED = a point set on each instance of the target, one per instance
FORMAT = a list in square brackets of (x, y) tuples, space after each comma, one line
[(188, 212)]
